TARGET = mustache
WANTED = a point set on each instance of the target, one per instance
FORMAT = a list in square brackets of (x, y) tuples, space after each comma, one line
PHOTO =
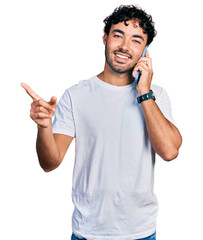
[(120, 50)]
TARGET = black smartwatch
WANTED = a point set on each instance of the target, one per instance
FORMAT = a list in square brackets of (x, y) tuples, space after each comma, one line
[(146, 96)]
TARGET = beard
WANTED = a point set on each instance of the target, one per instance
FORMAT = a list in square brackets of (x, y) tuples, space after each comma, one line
[(117, 68)]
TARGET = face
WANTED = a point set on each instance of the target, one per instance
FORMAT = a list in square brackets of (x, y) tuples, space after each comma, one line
[(124, 46)]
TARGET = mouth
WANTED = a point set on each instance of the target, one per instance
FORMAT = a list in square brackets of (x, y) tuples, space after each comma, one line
[(122, 57)]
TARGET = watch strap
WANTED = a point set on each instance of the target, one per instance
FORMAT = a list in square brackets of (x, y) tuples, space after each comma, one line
[(147, 96)]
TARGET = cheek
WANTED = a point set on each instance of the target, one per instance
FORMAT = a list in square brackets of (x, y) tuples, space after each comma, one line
[(112, 45), (137, 53)]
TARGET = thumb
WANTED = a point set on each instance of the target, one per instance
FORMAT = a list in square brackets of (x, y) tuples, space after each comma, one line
[(53, 101)]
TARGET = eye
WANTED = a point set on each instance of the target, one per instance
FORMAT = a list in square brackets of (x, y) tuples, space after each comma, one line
[(135, 41), (117, 36)]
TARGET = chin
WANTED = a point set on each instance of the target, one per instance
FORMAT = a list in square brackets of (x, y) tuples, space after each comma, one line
[(121, 70)]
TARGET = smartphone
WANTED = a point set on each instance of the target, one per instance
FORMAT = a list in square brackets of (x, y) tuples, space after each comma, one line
[(137, 77)]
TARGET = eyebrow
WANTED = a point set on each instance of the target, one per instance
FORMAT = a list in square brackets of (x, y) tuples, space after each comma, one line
[(135, 36)]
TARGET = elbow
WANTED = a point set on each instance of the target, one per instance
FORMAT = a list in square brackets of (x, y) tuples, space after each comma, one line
[(46, 169), (50, 164), (49, 169), (172, 152), (170, 155)]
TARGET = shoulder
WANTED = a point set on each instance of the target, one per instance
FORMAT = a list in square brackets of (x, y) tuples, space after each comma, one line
[(82, 85)]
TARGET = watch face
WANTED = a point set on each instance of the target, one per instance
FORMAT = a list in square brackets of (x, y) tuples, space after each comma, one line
[(146, 96)]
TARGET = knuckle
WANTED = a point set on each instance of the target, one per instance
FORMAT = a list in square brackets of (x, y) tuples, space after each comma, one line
[(40, 101)]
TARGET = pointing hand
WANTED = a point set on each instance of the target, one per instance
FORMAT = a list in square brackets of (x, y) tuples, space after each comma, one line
[(41, 111)]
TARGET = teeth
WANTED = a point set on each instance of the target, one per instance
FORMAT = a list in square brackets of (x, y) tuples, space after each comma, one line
[(121, 56)]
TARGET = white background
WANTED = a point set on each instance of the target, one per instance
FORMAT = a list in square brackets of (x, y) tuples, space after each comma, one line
[(52, 45)]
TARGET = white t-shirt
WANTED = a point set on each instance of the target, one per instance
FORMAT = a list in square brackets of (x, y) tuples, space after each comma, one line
[(113, 173)]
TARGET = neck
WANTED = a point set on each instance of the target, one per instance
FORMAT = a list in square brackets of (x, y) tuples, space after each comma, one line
[(117, 79)]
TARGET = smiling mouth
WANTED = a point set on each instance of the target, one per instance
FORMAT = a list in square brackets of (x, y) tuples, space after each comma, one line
[(122, 56)]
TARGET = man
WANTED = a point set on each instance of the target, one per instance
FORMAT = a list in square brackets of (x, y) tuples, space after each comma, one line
[(118, 127)]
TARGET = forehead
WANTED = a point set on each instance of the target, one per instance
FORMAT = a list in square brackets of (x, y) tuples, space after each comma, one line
[(131, 29)]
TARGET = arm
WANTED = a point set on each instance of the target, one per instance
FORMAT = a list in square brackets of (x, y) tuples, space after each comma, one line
[(51, 148), (47, 150), (164, 136)]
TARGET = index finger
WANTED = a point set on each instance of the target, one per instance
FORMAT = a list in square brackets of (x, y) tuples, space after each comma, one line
[(30, 92)]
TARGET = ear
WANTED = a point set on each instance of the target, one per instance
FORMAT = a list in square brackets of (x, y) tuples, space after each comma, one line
[(105, 38)]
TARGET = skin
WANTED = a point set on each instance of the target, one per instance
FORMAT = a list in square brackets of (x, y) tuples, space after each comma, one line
[(123, 41)]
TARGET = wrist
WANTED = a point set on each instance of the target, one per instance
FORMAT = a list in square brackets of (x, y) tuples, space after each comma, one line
[(44, 128), (143, 91)]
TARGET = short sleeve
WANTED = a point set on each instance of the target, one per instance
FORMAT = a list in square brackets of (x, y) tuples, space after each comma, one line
[(163, 102), (63, 121)]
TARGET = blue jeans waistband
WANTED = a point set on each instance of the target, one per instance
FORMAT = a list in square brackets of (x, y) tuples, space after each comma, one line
[(151, 237)]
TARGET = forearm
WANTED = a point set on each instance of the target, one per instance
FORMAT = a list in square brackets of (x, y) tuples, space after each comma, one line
[(47, 151), (164, 136)]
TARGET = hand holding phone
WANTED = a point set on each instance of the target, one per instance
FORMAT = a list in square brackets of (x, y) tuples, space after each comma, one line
[(137, 77)]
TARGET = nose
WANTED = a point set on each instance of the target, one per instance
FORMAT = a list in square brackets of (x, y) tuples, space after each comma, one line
[(124, 44)]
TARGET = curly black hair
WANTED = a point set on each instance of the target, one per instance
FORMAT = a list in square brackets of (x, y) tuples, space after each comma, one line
[(131, 12)]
